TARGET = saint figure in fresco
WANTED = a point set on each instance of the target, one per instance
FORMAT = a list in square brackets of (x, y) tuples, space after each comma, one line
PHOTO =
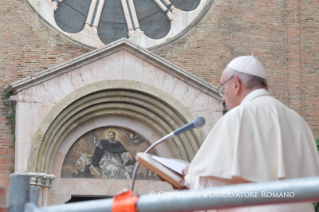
[(112, 158)]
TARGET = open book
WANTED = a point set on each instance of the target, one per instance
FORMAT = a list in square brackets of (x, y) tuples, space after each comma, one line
[(168, 169)]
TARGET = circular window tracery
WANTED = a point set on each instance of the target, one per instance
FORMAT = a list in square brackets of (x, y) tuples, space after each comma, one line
[(70, 16), (99, 22)]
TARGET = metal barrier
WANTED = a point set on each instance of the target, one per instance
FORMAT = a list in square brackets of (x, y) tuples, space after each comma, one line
[(249, 194)]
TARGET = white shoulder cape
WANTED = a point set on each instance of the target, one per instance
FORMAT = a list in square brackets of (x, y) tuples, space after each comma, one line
[(260, 140)]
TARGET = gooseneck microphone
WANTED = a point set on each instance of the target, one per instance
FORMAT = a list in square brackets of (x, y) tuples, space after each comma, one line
[(196, 123)]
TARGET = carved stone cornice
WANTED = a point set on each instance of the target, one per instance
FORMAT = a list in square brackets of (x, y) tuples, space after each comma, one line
[(105, 51)]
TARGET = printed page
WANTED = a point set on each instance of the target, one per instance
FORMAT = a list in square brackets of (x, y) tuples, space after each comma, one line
[(172, 164)]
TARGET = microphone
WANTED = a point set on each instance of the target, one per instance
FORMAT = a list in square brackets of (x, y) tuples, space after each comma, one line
[(199, 121)]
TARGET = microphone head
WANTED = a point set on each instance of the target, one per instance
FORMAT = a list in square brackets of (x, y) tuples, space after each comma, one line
[(199, 121)]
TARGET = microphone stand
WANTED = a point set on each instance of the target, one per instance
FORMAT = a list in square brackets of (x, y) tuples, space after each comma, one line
[(165, 138), (198, 122)]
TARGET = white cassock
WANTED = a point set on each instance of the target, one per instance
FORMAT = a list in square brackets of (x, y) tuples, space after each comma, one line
[(259, 140)]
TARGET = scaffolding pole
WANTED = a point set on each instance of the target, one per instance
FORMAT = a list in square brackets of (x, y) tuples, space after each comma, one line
[(249, 194)]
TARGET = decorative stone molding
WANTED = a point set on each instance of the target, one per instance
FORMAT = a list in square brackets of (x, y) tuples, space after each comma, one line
[(119, 79), (38, 179), (116, 46), (123, 102)]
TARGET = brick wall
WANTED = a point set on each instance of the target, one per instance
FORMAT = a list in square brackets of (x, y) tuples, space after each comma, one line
[(309, 48), (233, 28), (26, 47), (283, 34)]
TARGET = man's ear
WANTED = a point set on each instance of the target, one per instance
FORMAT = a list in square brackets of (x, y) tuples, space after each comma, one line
[(237, 85)]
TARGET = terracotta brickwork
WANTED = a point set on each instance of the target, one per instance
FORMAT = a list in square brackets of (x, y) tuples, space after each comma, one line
[(27, 46), (309, 25), (283, 34)]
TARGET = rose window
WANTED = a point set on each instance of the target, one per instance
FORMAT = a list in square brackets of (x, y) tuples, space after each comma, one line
[(99, 22)]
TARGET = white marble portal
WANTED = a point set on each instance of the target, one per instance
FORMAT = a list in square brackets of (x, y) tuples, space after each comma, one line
[(40, 98)]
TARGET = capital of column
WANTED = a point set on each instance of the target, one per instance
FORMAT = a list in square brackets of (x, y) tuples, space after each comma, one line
[(56, 4), (38, 179)]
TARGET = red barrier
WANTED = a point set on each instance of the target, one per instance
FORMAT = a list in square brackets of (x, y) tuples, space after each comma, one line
[(125, 202)]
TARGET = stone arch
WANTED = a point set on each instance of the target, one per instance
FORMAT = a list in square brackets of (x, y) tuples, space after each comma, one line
[(127, 123), (139, 101)]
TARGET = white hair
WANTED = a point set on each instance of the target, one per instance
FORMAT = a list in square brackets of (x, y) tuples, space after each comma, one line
[(249, 81)]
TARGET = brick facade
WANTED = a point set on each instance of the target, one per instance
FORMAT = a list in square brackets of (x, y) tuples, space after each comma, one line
[(27, 46), (309, 46), (283, 34)]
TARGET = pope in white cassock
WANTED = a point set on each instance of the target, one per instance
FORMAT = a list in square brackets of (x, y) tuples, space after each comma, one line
[(259, 139)]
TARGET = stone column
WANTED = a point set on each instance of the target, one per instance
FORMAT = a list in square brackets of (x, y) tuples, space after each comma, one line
[(90, 14), (134, 16), (165, 9), (42, 180), (98, 14), (127, 18), (171, 6)]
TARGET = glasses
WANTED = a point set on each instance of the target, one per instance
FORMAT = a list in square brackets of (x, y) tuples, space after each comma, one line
[(220, 88)]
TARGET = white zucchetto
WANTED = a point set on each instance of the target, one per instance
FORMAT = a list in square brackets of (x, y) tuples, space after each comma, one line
[(248, 65)]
